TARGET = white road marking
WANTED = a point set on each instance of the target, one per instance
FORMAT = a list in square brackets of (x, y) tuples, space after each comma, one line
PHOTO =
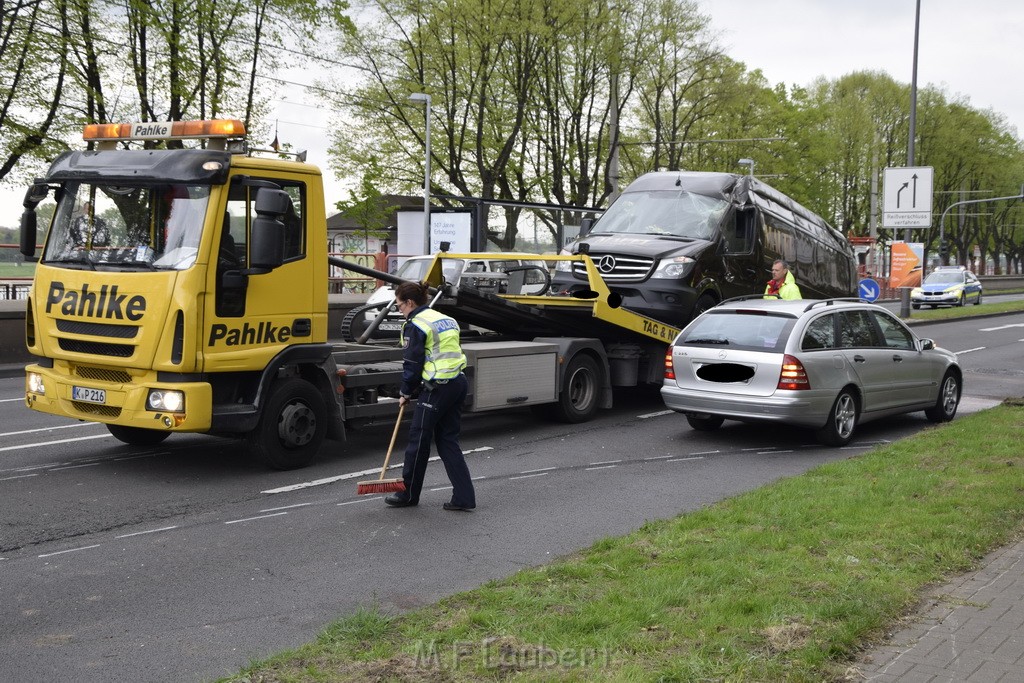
[(54, 443), (20, 476), (542, 469), (443, 488), (684, 459), (1001, 327), (659, 457), (9, 400), (979, 348), (74, 467), (286, 507), (657, 414), (355, 475), (529, 476), (50, 429), (706, 453), (72, 550), (607, 462), (361, 500), (603, 467), (249, 519), (774, 451), (143, 533)]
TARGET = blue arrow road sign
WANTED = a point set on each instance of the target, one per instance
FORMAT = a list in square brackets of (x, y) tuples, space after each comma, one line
[(869, 289)]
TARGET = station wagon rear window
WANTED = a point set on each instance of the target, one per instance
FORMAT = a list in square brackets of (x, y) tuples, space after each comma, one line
[(748, 330)]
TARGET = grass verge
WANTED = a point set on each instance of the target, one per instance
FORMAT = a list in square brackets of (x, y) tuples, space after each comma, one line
[(968, 311), (786, 582)]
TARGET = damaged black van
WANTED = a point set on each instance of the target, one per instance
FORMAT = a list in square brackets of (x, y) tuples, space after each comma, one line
[(676, 243)]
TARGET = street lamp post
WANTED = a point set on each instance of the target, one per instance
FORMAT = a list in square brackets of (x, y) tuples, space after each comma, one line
[(425, 98), (749, 163)]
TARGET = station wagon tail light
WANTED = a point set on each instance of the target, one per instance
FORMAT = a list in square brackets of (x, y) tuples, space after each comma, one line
[(670, 372), (793, 375)]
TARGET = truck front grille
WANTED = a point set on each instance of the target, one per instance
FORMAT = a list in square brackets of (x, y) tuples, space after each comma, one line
[(97, 329), (103, 374), (617, 268), (93, 409), (97, 348)]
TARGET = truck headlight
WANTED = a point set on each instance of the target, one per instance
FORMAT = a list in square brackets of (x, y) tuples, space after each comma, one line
[(674, 268), (35, 383), (165, 401)]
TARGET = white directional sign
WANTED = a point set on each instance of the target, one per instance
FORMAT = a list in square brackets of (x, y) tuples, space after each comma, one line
[(907, 197)]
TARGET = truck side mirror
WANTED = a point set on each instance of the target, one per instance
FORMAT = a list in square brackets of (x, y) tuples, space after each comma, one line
[(266, 248), (28, 234), (29, 224), (586, 225)]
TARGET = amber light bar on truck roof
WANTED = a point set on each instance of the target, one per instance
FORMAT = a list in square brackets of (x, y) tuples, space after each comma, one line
[(165, 130)]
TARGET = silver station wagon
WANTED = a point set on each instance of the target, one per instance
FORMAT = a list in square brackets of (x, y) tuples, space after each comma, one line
[(826, 365)]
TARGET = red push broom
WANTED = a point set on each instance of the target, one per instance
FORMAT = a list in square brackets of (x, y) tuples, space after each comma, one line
[(382, 485)]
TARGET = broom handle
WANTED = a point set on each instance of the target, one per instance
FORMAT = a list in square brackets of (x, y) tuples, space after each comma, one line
[(394, 435)]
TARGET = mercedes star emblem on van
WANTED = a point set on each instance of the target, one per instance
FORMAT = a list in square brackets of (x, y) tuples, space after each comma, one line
[(606, 264), (106, 303)]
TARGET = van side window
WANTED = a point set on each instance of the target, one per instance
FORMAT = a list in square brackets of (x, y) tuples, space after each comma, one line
[(738, 228)]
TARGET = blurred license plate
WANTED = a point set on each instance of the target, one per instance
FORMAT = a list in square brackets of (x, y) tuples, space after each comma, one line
[(88, 395), (390, 327)]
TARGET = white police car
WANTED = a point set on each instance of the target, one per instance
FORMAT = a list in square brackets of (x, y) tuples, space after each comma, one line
[(947, 286)]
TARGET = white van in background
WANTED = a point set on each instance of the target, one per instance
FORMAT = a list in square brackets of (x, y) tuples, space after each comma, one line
[(483, 273)]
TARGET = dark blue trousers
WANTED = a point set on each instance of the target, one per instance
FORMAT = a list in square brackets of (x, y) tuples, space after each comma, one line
[(438, 418)]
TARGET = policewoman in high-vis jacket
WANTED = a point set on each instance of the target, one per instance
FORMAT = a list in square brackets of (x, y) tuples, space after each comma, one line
[(433, 361)]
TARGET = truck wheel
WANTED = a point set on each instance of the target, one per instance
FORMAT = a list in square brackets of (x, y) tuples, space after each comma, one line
[(578, 400), (136, 436), (708, 423), (292, 426), (842, 420)]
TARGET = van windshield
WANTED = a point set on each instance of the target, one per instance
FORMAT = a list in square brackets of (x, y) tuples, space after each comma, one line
[(415, 269), (663, 212)]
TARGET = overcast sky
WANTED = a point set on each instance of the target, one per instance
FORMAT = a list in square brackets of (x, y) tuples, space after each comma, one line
[(965, 47)]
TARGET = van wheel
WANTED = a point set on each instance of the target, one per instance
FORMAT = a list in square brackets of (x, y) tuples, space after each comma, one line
[(842, 420), (704, 302), (578, 400), (136, 436), (292, 426), (355, 323), (949, 398), (705, 424)]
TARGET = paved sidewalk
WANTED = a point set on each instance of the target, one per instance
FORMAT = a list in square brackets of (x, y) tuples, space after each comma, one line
[(971, 630)]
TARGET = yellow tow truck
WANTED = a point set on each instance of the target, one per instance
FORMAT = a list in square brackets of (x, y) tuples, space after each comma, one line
[(185, 290)]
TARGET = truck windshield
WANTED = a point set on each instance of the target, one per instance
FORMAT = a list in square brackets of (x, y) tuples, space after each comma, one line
[(130, 227), (663, 212)]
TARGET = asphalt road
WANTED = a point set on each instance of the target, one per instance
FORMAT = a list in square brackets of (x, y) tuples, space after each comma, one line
[(186, 561)]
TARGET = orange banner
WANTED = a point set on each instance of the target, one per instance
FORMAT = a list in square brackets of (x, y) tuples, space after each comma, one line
[(906, 264)]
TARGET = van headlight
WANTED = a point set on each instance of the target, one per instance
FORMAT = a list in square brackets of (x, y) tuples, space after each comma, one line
[(674, 268), (162, 400), (563, 266)]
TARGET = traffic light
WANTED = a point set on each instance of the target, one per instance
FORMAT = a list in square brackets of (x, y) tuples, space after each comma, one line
[(944, 249)]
